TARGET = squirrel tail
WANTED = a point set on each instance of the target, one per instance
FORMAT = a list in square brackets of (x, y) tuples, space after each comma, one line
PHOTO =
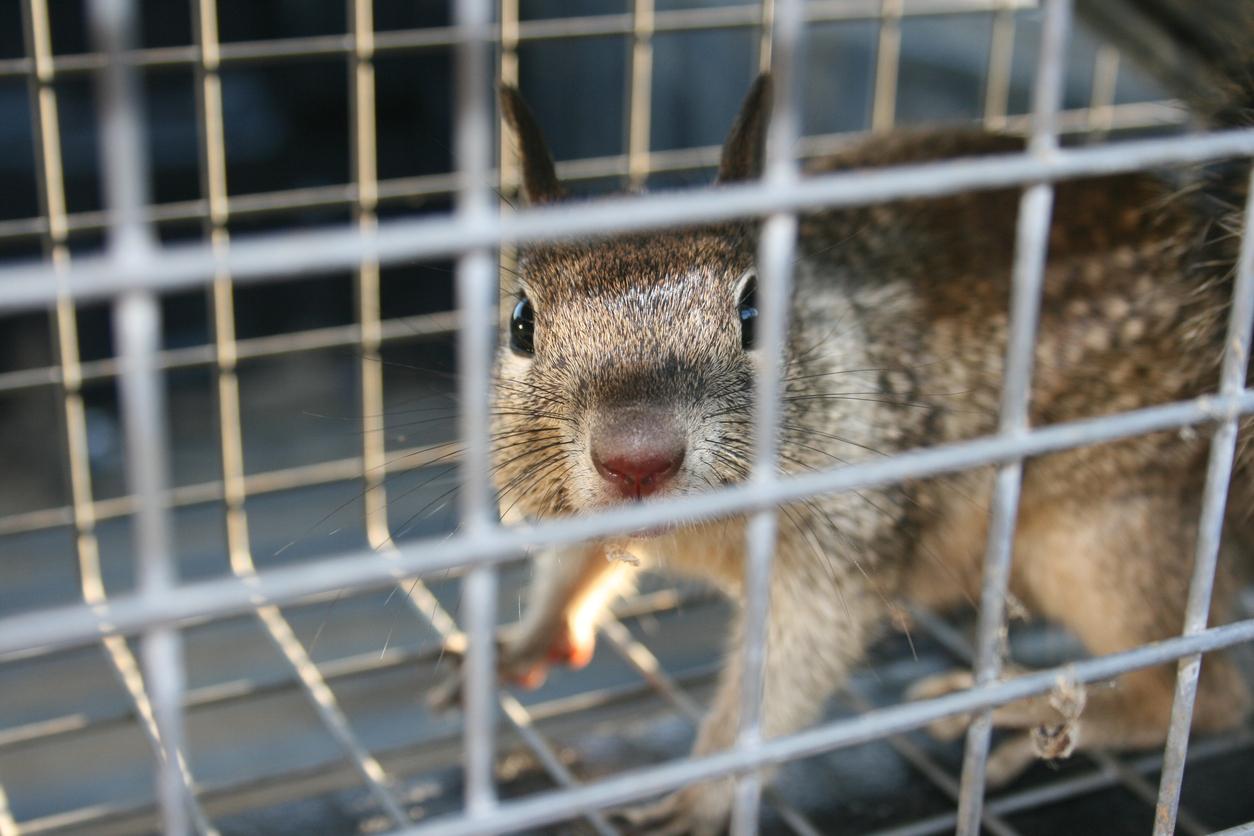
[(1232, 43)]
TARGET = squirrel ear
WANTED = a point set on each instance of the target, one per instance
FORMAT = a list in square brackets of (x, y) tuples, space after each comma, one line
[(540, 184), (746, 144)]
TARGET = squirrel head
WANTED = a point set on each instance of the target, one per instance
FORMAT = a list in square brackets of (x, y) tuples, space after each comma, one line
[(626, 367)]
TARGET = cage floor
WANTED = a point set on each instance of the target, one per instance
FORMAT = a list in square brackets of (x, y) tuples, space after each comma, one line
[(266, 767)]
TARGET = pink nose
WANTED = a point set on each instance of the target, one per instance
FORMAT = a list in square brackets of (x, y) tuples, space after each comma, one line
[(641, 475), (637, 451)]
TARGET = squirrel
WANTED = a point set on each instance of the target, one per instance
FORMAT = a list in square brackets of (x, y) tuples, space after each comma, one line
[(626, 371)]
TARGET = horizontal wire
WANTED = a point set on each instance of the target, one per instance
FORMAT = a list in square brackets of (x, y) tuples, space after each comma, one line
[(557, 806), (349, 667), (1067, 789), (77, 624), (336, 336), (200, 493), (961, 649), (402, 190), (274, 255), (1203, 410), (403, 40)]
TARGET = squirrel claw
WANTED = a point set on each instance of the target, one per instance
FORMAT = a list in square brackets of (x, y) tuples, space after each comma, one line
[(513, 667), (446, 694), (699, 810)]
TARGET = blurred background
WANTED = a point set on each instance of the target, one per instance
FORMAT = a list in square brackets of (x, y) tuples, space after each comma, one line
[(74, 757)]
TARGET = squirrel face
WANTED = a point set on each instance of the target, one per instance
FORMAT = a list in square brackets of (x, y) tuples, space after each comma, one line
[(627, 372), (627, 365)]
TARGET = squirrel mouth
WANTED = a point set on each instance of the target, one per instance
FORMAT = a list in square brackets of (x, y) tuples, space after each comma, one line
[(650, 533)]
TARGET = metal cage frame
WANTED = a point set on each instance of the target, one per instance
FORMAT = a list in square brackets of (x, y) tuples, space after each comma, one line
[(134, 269)]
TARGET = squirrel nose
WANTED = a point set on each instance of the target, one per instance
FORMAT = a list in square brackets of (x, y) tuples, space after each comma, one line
[(637, 450)]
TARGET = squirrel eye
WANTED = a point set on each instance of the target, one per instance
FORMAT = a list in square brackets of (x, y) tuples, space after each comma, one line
[(748, 310), (522, 328)]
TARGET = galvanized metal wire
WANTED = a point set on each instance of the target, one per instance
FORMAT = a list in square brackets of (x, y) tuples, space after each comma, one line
[(134, 269)]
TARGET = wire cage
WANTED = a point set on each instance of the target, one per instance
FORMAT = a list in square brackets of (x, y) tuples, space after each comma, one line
[(181, 633)]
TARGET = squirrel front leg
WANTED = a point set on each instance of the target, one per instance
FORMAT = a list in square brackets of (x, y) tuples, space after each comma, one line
[(570, 590), (813, 637)]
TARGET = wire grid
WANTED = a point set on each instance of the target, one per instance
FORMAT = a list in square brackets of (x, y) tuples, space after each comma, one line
[(133, 269)]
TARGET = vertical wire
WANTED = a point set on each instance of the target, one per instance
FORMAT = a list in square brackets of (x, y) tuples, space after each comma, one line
[(766, 33), (1031, 245), (428, 608), (361, 81), (775, 257), (1210, 527), (887, 64), (8, 824), (1101, 115), (221, 293), (507, 158), (137, 326), (509, 75), (64, 320), (123, 147), (639, 93), (214, 187), (1001, 49), (137, 322), (365, 178), (476, 297), (650, 668)]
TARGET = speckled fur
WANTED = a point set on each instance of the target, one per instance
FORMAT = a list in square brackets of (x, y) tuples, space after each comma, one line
[(899, 321)]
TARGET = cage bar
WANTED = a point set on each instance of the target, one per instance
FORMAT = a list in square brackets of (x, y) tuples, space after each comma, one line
[(766, 34), (1166, 113), (1126, 775), (76, 624), (557, 806), (262, 257), (639, 93), (63, 319), (476, 295), (677, 20), (133, 270), (336, 336), (1102, 97), (428, 609), (776, 253), (1001, 48), (1031, 245), (887, 63), (1214, 501), (230, 431), (1239, 830), (137, 320), (361, 87), (925, 765), (201, 493), (650, 669), (8, 825)]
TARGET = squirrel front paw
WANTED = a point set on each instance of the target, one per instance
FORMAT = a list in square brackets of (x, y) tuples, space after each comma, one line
[(699, 810), (523, 659)]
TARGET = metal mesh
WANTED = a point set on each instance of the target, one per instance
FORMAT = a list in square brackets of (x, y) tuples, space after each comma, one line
[(134, 269)]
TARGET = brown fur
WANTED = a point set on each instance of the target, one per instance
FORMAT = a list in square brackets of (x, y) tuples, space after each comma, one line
[(897, 342)]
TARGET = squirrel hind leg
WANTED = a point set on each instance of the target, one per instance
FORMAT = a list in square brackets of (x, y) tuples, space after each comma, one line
[(1115, 571), (1128, 563)]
